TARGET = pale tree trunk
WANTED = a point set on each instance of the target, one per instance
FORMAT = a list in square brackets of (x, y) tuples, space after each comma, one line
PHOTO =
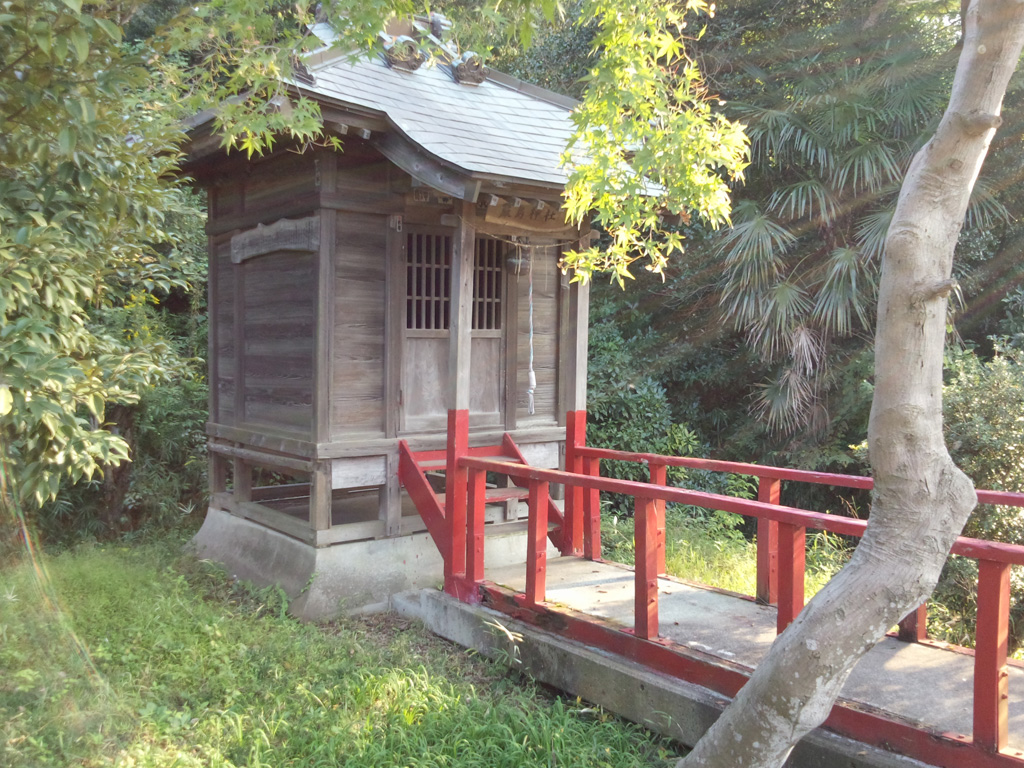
[(921, 500)]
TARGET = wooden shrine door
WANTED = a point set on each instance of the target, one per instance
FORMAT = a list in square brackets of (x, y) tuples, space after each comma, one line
[(425, 331)]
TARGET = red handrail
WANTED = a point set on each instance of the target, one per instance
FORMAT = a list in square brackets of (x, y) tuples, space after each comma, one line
[(583, 487)]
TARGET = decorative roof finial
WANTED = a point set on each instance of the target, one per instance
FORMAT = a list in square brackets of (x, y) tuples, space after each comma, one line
[(469, 69), (403, 52)]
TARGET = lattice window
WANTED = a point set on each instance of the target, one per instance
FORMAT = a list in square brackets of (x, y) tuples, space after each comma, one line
[(487, 288), (428, 282)]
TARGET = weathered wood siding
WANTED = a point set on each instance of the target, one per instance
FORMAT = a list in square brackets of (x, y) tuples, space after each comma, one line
[(279, 313), (360, 307), (546, 280), (280, 186), (222, 331)]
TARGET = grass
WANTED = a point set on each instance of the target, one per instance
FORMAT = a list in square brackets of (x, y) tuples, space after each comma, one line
[(139, 657), (711, 550)]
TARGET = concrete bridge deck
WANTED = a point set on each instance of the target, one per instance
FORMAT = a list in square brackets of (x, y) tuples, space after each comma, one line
[(922, 683)]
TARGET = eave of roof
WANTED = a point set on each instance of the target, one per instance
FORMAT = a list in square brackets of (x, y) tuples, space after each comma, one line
[(502, 130), (454, 137)]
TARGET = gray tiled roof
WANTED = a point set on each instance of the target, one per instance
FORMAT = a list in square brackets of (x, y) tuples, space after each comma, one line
[(491, 129)]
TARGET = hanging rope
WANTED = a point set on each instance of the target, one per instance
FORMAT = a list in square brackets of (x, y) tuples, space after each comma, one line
[(531, 375)]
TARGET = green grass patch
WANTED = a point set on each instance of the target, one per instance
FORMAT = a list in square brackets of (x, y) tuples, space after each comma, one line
[(139, 657), (710, 549)]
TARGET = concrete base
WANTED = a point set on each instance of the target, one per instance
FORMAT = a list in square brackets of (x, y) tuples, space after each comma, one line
[(353, 577), (680, 710)]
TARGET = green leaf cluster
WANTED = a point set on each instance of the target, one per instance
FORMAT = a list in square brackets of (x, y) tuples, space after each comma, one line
[(86, 157), (648, 141)]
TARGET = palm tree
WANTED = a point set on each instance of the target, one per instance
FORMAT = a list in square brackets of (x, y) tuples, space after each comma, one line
[(834, 112)]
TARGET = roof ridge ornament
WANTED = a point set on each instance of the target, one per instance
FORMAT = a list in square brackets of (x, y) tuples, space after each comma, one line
[(403, 53), (405, 39), (468, 68)]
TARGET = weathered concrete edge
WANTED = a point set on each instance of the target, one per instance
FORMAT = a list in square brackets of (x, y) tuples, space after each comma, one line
[(677, 709), (325, 582)]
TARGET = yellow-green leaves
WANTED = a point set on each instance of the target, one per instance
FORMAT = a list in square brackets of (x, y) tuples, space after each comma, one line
[(647, 142)]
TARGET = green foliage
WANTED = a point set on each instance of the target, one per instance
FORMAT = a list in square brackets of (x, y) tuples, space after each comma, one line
[(647, 139), (559, 56), (983, 409), (627, 408), (835, 109), (85, 155), (138, 657)]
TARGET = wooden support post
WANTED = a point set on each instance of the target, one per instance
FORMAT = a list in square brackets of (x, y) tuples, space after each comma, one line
[(769, 491), (659, 476), (475, 537), (460, 340), (394, 300), (323, 354), (592, 512), (455, 481), (645, 531), (573, 333), (575, 436), (390, 496), (241, 474), (792, 558), (320, 496), (537, 543), (914, 627), (213, 330), (218, 469), (991, 676)]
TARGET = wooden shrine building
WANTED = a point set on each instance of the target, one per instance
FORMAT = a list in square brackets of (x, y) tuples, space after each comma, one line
[(356, 297)]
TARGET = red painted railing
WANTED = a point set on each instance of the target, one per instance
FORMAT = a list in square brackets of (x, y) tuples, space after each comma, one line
[(781, 541)]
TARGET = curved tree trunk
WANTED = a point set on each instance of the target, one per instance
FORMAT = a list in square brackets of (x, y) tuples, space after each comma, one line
[(921, 500)]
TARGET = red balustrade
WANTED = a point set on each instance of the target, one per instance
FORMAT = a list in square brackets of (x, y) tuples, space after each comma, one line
[(781, 543)]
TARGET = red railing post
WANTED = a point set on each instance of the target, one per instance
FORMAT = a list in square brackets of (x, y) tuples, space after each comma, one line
[(659, 476), (645, 533), (475, 540), (537, 543), (575, 437), (455, 478), (914, 627), (991, 677), (592, 512), (769, 490), (792, 559)]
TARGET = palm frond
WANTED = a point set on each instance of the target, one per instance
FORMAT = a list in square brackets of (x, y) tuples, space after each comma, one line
[(808, 199), (984, 210), (806, 350), (785, 401), (871, 232), (868, 166), (845, 292), (784, 308), (753, 250)]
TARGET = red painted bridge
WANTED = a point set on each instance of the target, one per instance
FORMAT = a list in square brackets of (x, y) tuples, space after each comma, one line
[(972, 711)]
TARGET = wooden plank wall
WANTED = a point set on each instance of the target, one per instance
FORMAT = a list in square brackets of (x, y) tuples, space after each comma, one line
[(279, 311), (358, 401), (222, 313), (279, 186), (274, 294), (546, 280)]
